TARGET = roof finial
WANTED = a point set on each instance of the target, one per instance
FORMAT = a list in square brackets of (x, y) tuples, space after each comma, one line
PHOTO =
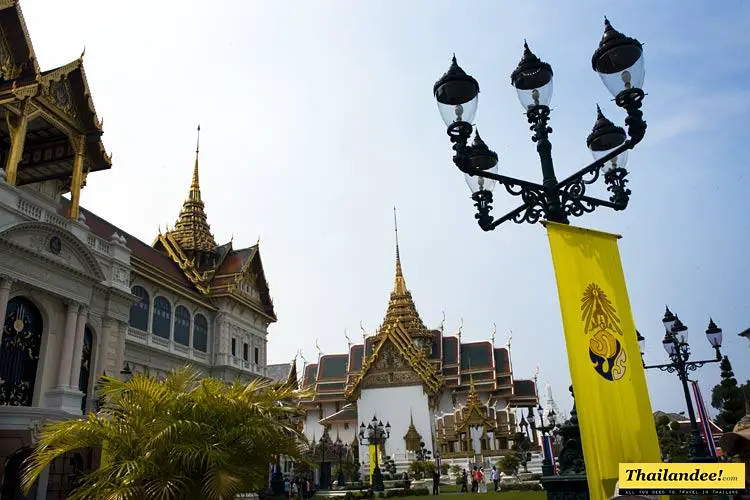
[(492, 335), (195, 185), (399, 286), (348, 340)]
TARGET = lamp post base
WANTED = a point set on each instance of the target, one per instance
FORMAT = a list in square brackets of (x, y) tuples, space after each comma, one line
[(377, 480), (547, 469), (568, 487)]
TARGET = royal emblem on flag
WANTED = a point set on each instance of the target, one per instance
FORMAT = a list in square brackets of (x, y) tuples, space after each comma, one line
[(602, 324)]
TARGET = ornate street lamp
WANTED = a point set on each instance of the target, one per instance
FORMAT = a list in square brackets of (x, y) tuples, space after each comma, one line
[(375, 434), (547, 467), (341, 450), (676, 345), (619, 62), (423, 454)]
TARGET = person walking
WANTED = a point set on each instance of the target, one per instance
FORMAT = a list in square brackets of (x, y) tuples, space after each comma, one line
[(464, 482), (436, 482), (481, 481), (474, 480), (495, 477)]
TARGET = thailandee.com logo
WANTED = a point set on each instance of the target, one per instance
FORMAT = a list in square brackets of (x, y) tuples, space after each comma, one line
[(675, 479)]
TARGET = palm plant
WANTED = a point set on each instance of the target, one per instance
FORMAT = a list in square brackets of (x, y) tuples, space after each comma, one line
[(182, 437)]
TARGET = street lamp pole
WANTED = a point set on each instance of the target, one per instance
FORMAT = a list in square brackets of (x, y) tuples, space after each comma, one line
[(375, 434), (676, 345), (547, 467), (619, 62)]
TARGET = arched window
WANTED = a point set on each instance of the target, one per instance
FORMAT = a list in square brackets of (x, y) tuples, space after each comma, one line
[(200, 333), (139, 310), (19, 352), (182, 325), (83, 378), (162, 317)]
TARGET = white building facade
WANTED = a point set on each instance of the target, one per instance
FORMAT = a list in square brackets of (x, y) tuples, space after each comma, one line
[(455, 399), (80, 297)]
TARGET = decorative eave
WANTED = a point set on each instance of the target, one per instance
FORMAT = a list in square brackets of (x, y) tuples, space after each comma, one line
[(399, 337), (173, 250), (475, 412)]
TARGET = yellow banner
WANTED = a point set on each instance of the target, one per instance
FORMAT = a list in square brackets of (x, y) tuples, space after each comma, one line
[(372, 449), (673, 479), (609, 382)]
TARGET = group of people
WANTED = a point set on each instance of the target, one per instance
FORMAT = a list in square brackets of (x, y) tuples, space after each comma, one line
[(299, 488), (479, 480)]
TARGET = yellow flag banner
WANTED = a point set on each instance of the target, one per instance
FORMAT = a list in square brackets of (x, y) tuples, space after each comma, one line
[(609, 382), (372, 450)]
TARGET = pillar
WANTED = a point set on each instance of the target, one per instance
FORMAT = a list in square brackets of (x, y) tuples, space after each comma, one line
[(68, 344), (5, 284), (76, 179), (75, 364), (122, 332), (17, 125), (102, 346)]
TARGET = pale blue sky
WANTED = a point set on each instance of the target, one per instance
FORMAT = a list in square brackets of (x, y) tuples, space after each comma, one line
[(317, 117)]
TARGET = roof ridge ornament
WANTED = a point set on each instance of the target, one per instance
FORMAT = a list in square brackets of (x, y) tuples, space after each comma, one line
[(192, 231)]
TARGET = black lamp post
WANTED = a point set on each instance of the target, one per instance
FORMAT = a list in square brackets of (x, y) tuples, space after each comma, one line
[(423, 453), (547, 467), (325, 445), (619, 62), (341, 450), (375, 434), (676, 344)]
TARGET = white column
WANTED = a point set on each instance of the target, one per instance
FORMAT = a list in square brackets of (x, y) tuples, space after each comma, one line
[(75, 366), (108, 324), (68, 344), (122, 332), (5, 284)]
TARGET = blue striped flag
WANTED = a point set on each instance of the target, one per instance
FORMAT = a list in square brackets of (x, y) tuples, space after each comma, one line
[(705, 420)]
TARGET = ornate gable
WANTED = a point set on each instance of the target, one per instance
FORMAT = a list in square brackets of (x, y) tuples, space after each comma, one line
[(396, 361)]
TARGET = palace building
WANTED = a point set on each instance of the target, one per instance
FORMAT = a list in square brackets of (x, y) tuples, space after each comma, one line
[(81, 297), (456, 398)]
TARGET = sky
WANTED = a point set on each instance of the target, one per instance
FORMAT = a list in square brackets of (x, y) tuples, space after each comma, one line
[(317, 118)]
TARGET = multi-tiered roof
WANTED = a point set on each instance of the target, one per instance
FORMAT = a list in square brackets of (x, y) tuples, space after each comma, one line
[(441, 362)]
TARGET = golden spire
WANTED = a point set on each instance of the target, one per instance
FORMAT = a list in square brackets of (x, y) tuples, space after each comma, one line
[(399, 286), (401, 307), (472, 400), (191, 231)]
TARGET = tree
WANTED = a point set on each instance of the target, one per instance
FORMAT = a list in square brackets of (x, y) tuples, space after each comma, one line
[(673, 443), (180, 438), (728, 397)]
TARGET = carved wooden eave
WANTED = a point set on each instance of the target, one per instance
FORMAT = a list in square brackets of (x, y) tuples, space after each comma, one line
[(475, 413), (396, 337), (187, 265)]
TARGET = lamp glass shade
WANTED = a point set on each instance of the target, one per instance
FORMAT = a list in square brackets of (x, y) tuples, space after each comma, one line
[(625, 79), (714, 335), (541, 96), (618, 161), (477, 183), (681, 332), (465, 112), (669, 346)]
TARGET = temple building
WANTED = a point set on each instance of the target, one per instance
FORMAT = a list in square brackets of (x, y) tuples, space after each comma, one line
[(455, 398), (79, 296)]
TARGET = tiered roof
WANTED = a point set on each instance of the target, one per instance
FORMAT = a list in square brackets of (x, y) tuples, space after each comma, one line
[(445, 364), (188, 261)]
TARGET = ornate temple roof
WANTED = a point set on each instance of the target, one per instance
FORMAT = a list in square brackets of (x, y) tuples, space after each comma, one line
[(58, 103), (401, 308), (191, 231)]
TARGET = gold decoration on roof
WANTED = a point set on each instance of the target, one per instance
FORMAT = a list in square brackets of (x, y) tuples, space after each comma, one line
[(191, 231), (475, 413), (397, 335), (473, 400), (412, 437), (401, 306)]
